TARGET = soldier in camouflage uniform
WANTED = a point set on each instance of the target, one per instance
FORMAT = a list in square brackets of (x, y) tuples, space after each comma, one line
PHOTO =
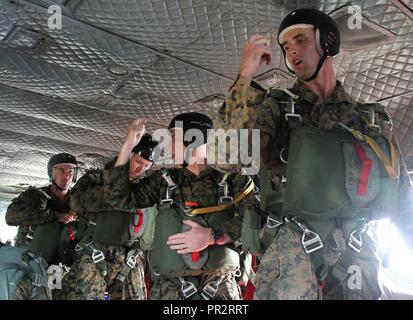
[(47, 204), (286, 271), (195, 187), (85, 279), (38, 207)]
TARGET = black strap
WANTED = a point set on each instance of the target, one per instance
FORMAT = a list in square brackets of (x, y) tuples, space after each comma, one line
[(320, 64)]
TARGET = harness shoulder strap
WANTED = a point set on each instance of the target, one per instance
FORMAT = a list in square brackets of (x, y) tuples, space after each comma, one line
[(223, 187), (375, 116), (171, 187), (288, 119)]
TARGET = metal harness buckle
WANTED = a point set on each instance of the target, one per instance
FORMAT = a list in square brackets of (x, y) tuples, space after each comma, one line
[(273, 223), (168, 199), (188, 289), (292, 114), (210, 290), (372, 123), (355, 242), (310, 240), (131, 261), (226, 199), (97, 255)]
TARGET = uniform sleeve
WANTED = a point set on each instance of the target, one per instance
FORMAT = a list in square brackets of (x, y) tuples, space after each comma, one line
[(30, 208), (119, 193), (238, 112), (246, 107), (86, 197)]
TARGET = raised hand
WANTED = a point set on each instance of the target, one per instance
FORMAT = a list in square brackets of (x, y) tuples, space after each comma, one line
[(256, 52)]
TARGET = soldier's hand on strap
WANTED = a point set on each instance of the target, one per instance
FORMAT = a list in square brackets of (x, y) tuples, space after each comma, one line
[(73, 216), (194, 240), (256, 52), (64, 218)]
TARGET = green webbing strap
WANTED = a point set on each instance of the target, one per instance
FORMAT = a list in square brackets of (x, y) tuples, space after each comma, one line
[(130, 264), (330, 277), (87, 236), (88, 244), (270, 230), (170, 190), (339, 272), (100, 264)]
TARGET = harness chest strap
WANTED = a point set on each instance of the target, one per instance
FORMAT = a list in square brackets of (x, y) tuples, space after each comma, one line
[(87, 243), (223, 207), (131, 260)]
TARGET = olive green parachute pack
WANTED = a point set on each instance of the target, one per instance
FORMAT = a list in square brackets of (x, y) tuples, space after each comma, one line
[(123, 227), (330, 174), (216, 260), (53, 241)]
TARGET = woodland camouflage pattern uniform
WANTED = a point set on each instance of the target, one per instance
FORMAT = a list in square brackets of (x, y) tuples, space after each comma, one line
[(285, 270), (84, 281), (30, 209), (202, 189)]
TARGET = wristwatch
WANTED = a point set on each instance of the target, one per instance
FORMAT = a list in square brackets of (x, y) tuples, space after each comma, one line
[(216, 234)]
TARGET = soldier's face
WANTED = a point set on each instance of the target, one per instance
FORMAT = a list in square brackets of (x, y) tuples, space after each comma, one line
[(63, 175), (138, 165), (198, 155), (301, 51)]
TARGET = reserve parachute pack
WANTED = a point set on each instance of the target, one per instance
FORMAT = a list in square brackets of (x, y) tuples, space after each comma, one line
[(216, 260), (52, 241), (335, 174), (17, 265), (340, 173), (122, 227)]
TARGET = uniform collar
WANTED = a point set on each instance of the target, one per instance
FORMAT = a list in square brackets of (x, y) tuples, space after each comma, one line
[(339, 95), (185, 173)]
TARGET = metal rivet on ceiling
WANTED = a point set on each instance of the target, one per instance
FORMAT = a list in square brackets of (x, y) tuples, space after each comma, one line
[(117, 69)]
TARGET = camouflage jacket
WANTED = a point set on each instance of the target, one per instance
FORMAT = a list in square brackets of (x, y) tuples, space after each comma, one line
[(33, 207), (87, 195), (250, 106), (203, 189)]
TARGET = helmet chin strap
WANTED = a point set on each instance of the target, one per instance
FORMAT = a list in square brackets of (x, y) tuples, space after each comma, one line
[(320, 64)]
